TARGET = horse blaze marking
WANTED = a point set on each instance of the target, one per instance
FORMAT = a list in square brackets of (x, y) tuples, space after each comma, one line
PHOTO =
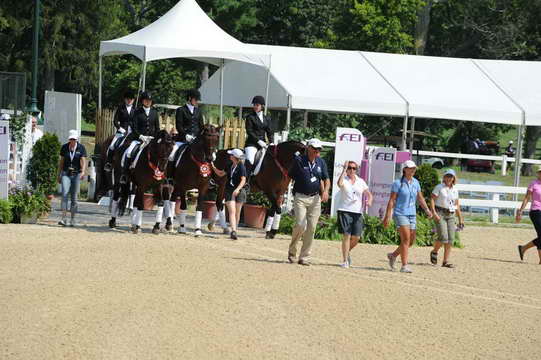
[(351, 137)]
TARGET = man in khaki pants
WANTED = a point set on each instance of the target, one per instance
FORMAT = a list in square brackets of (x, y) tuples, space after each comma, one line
[(311, 187)]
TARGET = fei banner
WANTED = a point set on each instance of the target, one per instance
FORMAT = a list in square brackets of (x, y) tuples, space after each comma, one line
[(381, 178), (349, 146), (4, 159)]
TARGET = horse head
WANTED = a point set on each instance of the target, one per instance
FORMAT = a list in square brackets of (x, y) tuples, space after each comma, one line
[(160, 147), (210, 137), (287, 151)]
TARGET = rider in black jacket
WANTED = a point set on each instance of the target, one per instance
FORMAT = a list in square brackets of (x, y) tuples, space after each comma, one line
[(258, 125), (122, 120)]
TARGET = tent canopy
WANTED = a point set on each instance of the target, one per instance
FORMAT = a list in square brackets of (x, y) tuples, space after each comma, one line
[(184, 31), (316, 79)]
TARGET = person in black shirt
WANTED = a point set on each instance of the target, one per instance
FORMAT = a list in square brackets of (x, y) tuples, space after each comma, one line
[(309, 172), (122, 120), (258, 125), (235, 194), (189, 121), (144, 127), (71, 170)]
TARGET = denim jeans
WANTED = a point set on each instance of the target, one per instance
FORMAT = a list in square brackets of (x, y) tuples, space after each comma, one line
[(70, 186)]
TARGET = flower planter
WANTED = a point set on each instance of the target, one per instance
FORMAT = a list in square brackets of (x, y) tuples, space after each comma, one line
[(29, 218), (50, 197), (254, 215), (148, 201), (209, 209)]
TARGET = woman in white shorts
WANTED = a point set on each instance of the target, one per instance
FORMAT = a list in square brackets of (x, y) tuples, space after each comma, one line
[(445, 206)]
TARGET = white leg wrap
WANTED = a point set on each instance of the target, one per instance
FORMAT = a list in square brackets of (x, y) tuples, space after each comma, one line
[(276, 222), (130, 202), (134, 217), (114, 209), (182, 219), (198, 219), (270, 221), (166, 209), (159, 214), (221, 215), (139, 217), (173, 208)]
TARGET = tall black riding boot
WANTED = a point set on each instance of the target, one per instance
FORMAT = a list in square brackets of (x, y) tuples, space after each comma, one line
[(109, 162), (125, 171)]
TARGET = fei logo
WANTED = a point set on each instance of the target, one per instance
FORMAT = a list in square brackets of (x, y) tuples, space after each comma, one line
[(351, 137), (385, 156)]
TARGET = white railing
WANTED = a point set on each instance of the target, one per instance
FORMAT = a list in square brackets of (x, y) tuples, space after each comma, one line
[(494, 203)]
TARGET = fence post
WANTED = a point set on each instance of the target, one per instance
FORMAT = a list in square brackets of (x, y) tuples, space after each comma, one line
[(494, 212), (504, 165)]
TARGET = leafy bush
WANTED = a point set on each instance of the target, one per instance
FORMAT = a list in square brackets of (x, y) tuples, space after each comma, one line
[(26, 201), (428, 179), (258, 198), (43, 165), (5, 212), (374, 232)]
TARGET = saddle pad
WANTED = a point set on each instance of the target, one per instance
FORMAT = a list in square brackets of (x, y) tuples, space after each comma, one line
[(137, 150), (179, 153), (259, 156)]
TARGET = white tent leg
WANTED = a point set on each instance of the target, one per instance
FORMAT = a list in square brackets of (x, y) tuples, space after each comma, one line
[(518, 158), (288, 118), (405, 134), (144, 76), (412, 134), (222, 93), (100, 83), (268, 85)]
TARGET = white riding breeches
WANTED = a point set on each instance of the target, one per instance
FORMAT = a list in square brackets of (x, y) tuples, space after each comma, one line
[(250, 152), (178, 144), (127, 153), (118, 135)]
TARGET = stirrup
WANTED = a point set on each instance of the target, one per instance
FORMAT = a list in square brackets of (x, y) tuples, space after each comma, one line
[(123, 179), (108, 167)]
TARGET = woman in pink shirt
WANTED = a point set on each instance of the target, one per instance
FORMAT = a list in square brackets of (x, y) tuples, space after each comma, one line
[(533, 193)]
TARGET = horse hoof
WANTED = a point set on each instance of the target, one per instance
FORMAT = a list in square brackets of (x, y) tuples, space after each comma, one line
[(182, 230), (198, 232), (272, 234), (210, 226), (156, 230), (226, 231), (112, 223), (169, 227), (268, 235), (135, 229)]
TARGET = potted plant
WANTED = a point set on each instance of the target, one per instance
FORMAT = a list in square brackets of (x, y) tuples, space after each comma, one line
[(43, 164), (255, 209), (209, 204), (5, 212), (27, 205)]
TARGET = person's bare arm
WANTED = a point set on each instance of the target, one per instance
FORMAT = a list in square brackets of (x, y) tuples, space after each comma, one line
[(523, 205), (241, 185), (60, 167), (326, 187), (220, 173), (433, 206), (83, 167), (369, 197), (459, 213), (390, 207), (422, 201)]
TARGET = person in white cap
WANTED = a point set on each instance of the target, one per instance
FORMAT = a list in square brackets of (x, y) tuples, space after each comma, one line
[(71, 170), (235, 194), (36, 132), (445, 205), (533, 194), (509, 150), (309, 172), (405, 193)]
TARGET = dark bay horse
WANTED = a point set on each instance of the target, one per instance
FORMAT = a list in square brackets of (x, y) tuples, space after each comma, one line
[(194, 171), (149, 171), (272, 179)]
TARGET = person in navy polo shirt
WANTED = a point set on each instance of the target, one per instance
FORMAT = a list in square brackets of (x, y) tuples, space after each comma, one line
[(309, 172)]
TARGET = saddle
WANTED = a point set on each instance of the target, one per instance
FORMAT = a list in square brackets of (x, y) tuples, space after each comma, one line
[(258, 161), (179, 153)]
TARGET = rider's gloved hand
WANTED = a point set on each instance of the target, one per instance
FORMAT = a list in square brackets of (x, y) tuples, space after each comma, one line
[(262, 143), (121, 130), (189, 137)]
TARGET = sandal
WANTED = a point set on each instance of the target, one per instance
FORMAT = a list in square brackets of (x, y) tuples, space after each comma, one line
[(433, 258), (447, 265), (521, 253)]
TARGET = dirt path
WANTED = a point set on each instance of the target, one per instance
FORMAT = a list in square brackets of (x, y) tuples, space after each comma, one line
[(97, 294)]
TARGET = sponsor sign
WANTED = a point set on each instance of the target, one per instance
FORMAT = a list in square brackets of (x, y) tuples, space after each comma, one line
[(4, 159), (382, 172)]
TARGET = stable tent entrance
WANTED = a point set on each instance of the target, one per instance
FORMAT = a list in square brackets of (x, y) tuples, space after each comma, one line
[(185, 31)]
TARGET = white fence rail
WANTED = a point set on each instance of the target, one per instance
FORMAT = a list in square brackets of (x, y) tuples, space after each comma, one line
[(494, 203)]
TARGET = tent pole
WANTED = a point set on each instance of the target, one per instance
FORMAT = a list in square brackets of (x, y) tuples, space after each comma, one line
[(412, 134), (405, 134), (100, 83), (268, 84), (222, 93), (288, 118), (518, 158), (144, 76)]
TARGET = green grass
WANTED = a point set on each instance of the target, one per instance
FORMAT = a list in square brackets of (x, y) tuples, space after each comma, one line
[(86, 126)]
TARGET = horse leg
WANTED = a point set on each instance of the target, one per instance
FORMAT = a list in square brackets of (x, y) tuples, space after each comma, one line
[(278, 215), (182, 215), (114, 207), (199, 215), (137, 215), (169, 208), (159, 212), (220, 210), (270, 218)]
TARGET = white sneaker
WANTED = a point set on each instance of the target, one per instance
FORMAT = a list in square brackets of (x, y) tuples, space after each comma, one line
[(392, 260), (182, 230), (349, 260), (344, 265), (63, 222), (405, 269), (73, 223)]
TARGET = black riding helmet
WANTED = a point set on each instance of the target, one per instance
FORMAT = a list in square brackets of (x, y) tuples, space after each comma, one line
[(129, 94), (193, 93), (145, 95), (258, 100)]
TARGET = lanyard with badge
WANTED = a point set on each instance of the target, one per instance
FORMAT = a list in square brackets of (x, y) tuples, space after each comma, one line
[(412, 194), (72, 153), (232, 173), (451, 200), (311, 169)]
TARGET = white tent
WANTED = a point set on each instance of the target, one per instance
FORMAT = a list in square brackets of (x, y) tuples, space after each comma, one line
[(185, 31)]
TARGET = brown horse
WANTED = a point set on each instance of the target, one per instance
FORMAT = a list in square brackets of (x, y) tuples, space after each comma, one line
[(149, 171), (194, 171), (272, 180)]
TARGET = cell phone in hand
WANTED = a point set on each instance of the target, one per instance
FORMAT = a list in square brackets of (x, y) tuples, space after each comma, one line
[(460, 227)]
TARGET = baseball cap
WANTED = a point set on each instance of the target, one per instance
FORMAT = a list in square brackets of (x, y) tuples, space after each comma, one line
[(236, 153), (510, 141), (409, 164), (315, 143), (538, 169), (73, 134), (449, 172)]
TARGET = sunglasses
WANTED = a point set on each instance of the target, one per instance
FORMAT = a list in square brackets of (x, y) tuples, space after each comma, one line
[(352, 168)]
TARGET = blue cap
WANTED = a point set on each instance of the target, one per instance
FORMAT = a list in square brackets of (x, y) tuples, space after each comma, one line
[(449, 172)]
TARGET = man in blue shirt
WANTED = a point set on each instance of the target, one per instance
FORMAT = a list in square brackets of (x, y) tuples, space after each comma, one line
[(309, 172)]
